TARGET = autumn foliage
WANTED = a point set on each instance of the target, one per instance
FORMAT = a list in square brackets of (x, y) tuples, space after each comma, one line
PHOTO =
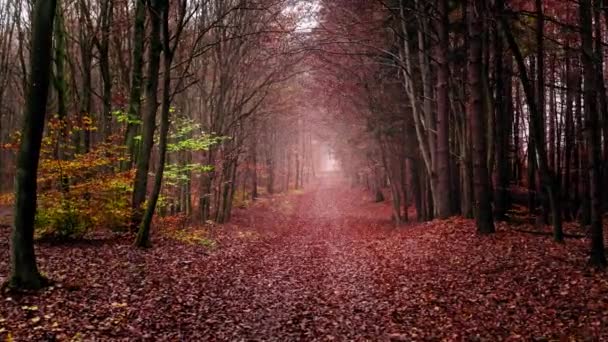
[(392, 170)]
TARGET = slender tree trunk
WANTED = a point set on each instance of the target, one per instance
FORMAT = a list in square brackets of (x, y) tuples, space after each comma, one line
[(60, 81), (516, 137), (503, 110), (547, 176), (582, 177), (134, 111), (477, 119), (149, 123), (404, 188), (143, 235), (87, 87), (552, 118), (24, 271), (602, 96), (254, 161), (205, 192), (592, 131), (444, 207), (541, 100), (568, 135), (107, 11)]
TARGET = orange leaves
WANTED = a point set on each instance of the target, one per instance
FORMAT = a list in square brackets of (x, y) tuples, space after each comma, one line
[(102, 159), (79, 192)]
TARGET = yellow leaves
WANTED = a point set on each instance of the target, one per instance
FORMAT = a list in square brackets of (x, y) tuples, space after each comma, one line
[(193, 237), (7, 199), (96, 196), (78, 337), (87, 120)]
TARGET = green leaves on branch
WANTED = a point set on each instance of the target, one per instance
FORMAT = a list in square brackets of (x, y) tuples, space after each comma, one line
[(180, 174), (124, 117), (202, 143), (185, 137)]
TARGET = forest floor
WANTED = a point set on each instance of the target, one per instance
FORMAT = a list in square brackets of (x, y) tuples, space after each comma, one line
[(325, 265)]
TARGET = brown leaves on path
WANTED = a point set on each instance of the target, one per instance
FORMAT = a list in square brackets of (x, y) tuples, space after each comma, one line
[(324, 265)]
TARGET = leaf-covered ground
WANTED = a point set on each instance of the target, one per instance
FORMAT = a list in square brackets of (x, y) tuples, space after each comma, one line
[(323, 265)]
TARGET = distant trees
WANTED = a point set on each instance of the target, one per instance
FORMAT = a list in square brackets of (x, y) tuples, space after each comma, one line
[(491, 110), (215, 70), (469, 108)]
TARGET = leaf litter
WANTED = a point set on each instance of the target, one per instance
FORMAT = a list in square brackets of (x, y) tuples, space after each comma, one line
[(324, 265)]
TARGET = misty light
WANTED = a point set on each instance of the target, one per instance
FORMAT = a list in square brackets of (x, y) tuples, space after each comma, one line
[(306, 14)]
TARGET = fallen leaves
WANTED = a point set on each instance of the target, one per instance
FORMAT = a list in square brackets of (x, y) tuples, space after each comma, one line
[(326, 267)]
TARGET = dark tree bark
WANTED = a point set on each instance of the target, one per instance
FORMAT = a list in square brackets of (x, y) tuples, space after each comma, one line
[(592, 131), (477, 119), (86, 55), (107, 12), (516, 168), (536, 128), (143, 235), (24, 271), (149, 122), (134, 111), (601, 94), (444, 207), (504, 112), (60, 81), (582, 176), (568, 135)]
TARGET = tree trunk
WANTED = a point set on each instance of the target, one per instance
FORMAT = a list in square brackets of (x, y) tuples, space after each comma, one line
[(592, 131), (568, 136), (444, 207), (143, 235), (107, 11), (547, 176), (87, 87), (503, 110), (24, 271), (149, 123), (477, 120), (602, 96), (254, 161), (134, 111), (60, 83)]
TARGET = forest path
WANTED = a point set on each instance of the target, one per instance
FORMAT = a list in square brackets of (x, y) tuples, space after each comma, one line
[(318, 275), (321, 265)]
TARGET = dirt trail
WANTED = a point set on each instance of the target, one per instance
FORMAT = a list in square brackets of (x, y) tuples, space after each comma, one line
[(317, 278), (322, 265)]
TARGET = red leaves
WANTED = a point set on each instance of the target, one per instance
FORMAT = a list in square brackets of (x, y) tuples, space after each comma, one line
[(320, 266)]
